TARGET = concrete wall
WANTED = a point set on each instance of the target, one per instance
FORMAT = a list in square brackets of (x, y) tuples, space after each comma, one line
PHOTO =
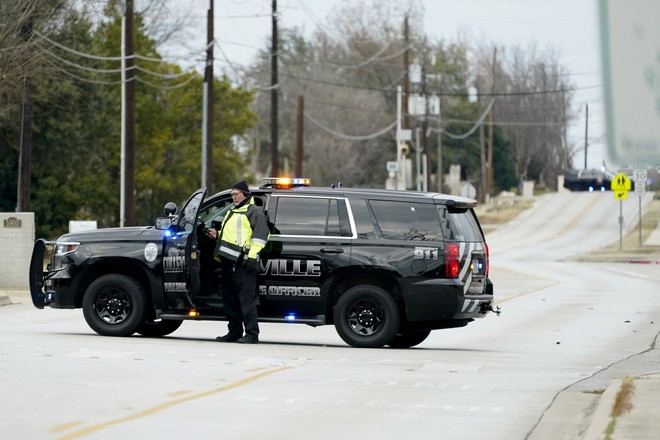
[(16, 240)]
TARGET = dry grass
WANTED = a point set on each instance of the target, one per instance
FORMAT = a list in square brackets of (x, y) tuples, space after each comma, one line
[(622, 404), (501, 212)]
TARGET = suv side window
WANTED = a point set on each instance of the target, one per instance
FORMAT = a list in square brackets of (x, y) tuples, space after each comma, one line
[(215, 212), (366, 229), (407, 220), (312, 216)]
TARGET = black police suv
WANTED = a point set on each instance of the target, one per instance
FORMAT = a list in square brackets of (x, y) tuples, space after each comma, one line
[(384, 267), (588, 180)]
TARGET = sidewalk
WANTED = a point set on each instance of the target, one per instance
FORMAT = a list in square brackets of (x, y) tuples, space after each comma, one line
[(14, 297), (618, 403)]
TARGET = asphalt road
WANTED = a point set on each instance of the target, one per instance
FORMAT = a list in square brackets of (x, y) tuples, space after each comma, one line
[(562, 323)]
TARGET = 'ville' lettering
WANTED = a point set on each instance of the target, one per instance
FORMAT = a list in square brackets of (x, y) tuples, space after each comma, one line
[(309, 268)]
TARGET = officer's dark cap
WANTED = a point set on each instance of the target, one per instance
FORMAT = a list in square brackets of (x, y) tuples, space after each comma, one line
[(242, 187)]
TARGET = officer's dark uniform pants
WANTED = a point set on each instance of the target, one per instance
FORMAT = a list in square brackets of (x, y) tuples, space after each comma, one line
[(238, 295)]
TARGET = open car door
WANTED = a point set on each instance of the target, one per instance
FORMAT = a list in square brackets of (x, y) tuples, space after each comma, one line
[(181, 262)]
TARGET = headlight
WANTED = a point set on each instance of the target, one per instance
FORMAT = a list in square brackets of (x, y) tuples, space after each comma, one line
[(60, 251)]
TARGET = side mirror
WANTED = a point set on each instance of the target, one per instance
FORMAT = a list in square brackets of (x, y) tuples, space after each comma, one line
[(163, 223), (170, 209)]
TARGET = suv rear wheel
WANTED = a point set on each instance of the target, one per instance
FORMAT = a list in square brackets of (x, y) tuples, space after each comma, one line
[(114, 305), (367, 317)]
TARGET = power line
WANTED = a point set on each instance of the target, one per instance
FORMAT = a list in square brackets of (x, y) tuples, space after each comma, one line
[(78, 66), (97, 57), (469, 132), (351, 137), (164, 76), (502, 94), (166, 88), (85, 80), (374, 59)]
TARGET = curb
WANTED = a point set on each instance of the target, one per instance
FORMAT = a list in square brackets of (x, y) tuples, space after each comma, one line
[(645, 261), (4, 300), (602, 416)]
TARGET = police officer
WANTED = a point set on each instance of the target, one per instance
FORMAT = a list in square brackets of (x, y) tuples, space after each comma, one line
[(242, 236)]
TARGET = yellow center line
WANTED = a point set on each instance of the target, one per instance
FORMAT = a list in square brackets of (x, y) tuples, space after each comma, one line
[(65, 427), (164, 406), (526, 292)]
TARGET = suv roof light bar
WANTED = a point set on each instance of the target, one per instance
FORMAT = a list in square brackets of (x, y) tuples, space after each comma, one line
[(285, 182)]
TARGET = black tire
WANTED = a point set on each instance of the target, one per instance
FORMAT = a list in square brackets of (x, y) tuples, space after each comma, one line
[(157, 329), (114, 305), (410, 339), (366, 317)]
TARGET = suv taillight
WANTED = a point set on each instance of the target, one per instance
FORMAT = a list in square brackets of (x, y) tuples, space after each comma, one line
[(452, 260), (487, 259)]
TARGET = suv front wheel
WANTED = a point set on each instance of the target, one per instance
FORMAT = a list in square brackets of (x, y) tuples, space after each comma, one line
[(114, 305), (366, 317)]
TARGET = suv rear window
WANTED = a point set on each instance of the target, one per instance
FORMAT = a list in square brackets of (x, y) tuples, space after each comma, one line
[(407, 220), (462, 226)]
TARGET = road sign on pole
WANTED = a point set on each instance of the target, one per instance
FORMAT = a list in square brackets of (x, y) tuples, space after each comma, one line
[(621, 182), (639, 174), (621, 195)]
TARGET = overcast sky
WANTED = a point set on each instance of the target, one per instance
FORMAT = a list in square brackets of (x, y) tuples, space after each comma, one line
[(571, 27)]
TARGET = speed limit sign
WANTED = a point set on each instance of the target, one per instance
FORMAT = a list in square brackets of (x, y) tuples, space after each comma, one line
[(639, 175)]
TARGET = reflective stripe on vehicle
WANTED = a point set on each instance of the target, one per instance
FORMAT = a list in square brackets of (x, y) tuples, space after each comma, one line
[(470, 305), (465, 257)]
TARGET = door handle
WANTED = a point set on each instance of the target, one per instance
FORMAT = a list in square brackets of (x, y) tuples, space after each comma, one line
[(332, 250)]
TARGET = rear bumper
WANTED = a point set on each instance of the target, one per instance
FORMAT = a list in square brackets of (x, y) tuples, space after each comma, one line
[(445, 299)]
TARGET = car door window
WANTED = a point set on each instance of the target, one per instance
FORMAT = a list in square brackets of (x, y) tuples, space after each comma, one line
[(407, 220), (311, 216)]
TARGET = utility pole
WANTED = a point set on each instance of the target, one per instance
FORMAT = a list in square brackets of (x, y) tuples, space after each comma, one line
[(274, 139), (425, 123), (127, 208), (491, 172), (586, 134), (207, 124), (439, 147), (406, 76), (484, 173), (299, 135), (24, 190)]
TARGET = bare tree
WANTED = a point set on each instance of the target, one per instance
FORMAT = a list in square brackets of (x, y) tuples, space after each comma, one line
[(532, 106), (347, 73)]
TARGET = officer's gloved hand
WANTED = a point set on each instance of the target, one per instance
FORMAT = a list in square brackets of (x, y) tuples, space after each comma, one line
[(251, 266), (209, 235)]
